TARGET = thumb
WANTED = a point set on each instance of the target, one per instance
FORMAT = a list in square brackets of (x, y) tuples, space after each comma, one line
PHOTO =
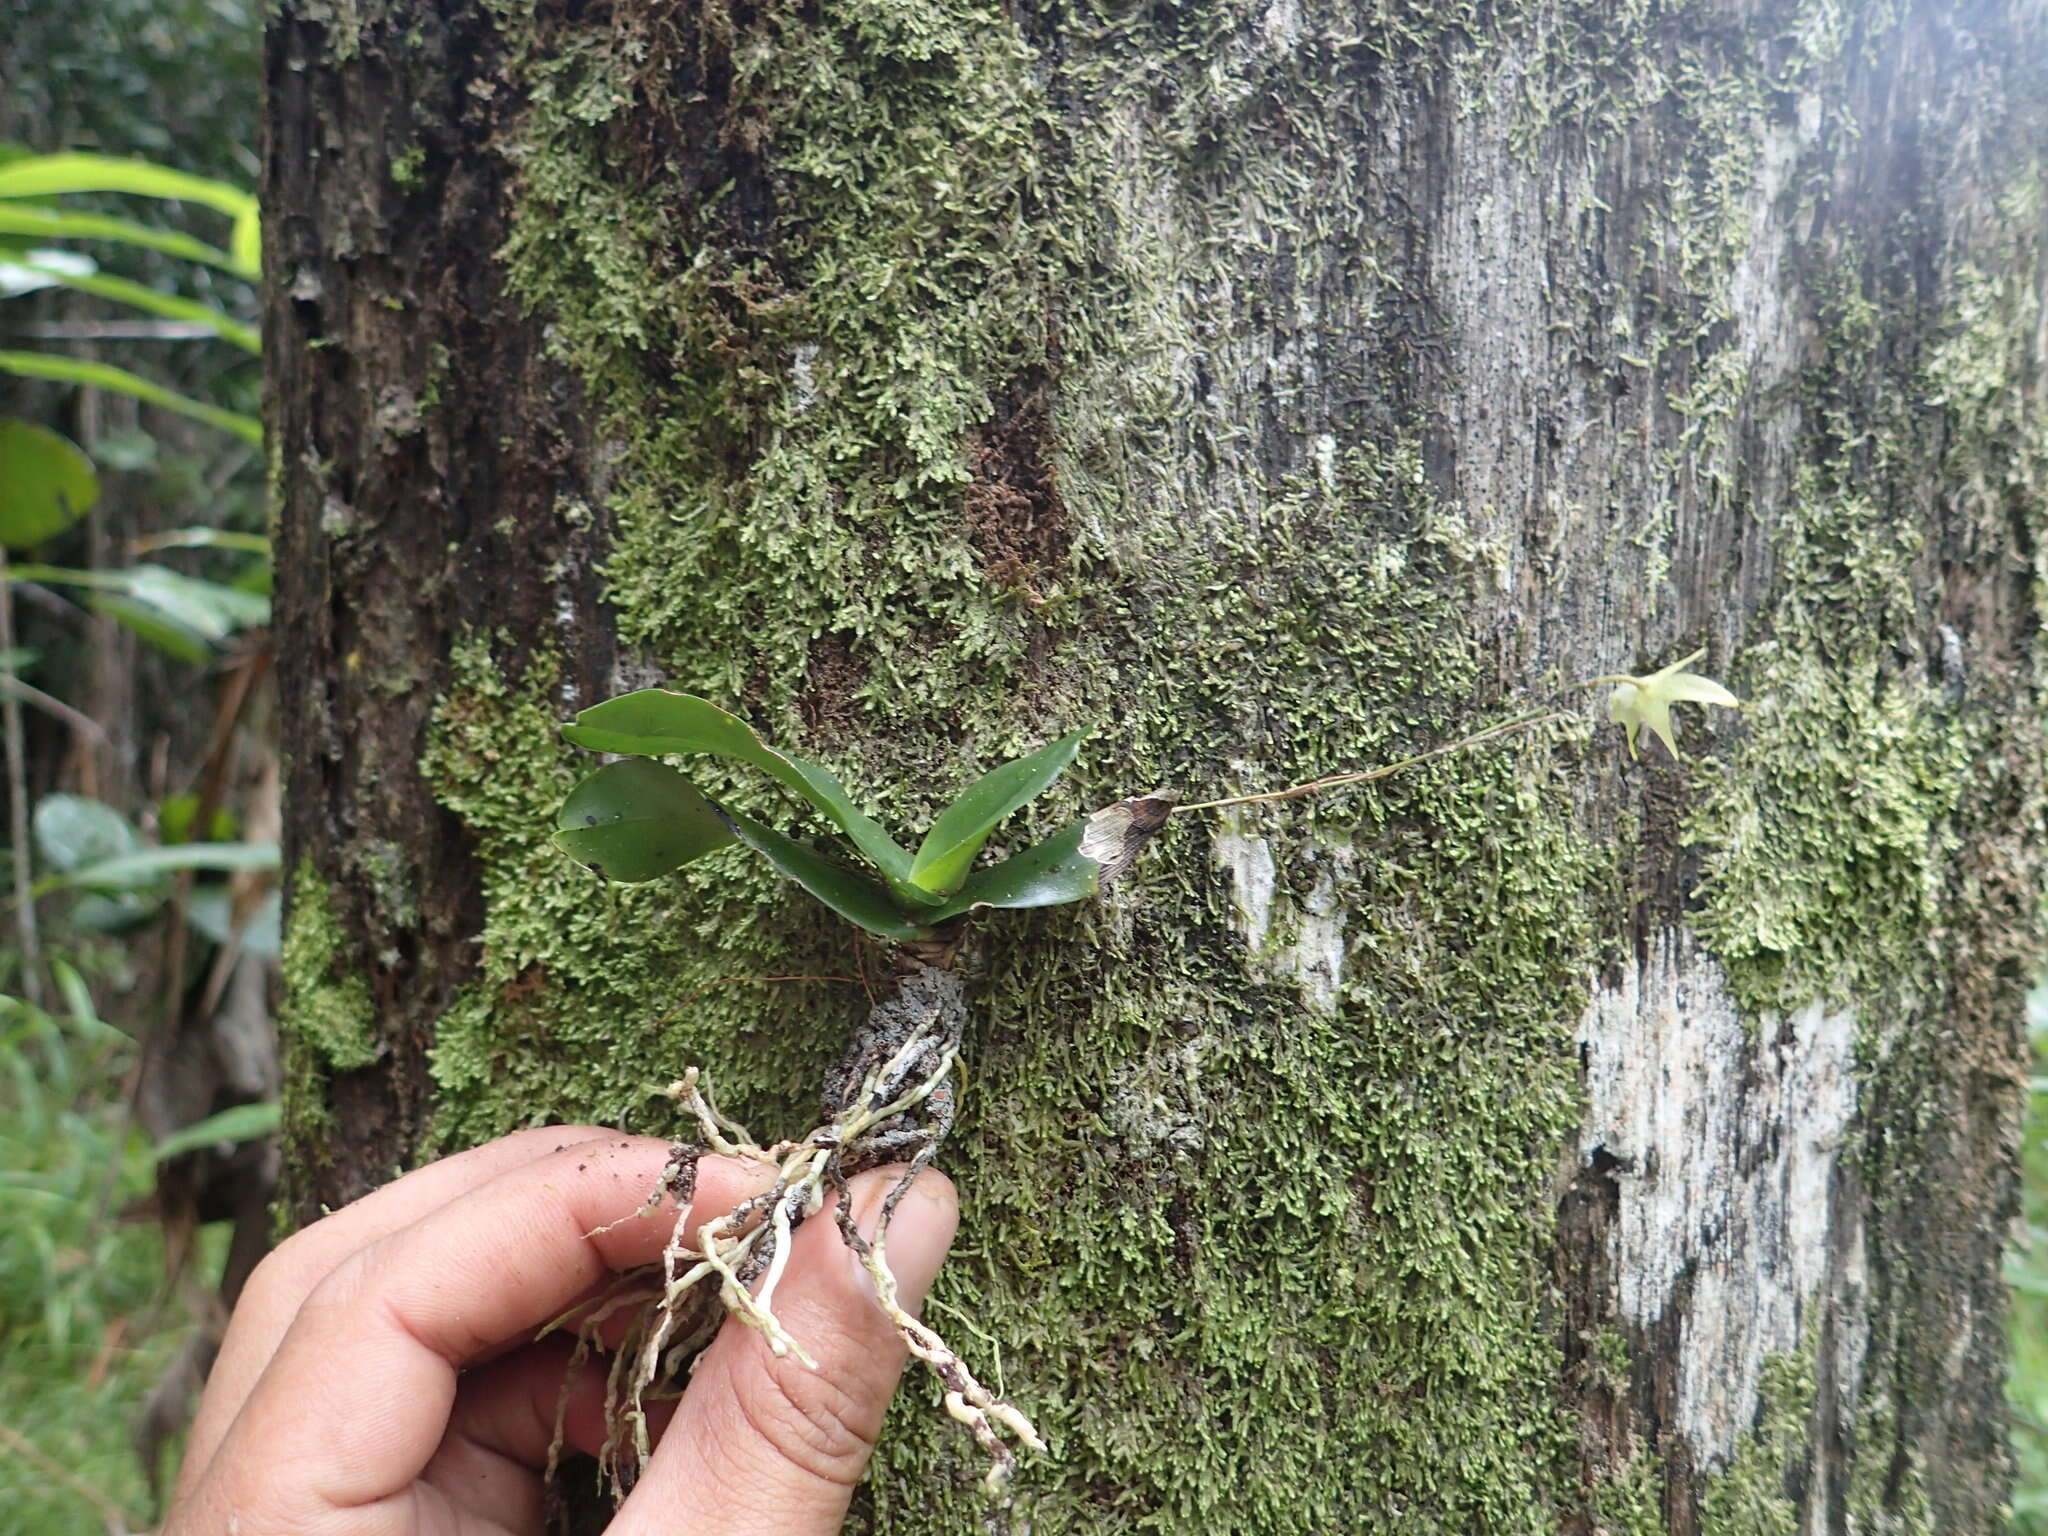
[(771, 1446)]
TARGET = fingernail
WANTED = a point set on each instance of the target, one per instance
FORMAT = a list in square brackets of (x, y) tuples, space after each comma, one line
[(920, 1230)]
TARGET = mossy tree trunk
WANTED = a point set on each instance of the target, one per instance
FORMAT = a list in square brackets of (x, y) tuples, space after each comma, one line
[(1539, 1140)]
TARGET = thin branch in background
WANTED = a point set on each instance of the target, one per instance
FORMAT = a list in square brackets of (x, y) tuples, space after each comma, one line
[(114, 330), (28, 693), (17, 798)]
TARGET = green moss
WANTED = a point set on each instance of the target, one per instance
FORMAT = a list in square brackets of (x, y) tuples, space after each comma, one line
[(405, 166), (1630, 1501), (1755, 1494), (326, 1021), (1827, 827), (325, 1009), (1201, 1211)]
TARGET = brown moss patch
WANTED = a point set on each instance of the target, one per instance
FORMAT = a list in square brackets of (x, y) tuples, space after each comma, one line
[(1015, 519)]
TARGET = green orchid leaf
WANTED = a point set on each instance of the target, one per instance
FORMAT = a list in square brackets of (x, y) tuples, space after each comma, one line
[(1045, 875), (637, 820), (119, 381), (76, 830), (46, 483), (655, 722), (849, 893), (948, 850)]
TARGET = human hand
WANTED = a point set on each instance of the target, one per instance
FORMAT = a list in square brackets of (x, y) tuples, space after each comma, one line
[(379, 1376)]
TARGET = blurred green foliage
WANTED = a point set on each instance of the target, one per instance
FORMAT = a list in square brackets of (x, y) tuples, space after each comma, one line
[(171, 80), (85, 1326), (88, 1325)]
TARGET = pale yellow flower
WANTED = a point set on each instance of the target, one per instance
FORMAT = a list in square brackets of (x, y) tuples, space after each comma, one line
[(1640, 701)]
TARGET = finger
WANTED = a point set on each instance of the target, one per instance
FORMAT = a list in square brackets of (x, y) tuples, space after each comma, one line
[(509, 1406), (289, 1273), (771, 1446), (378, 1344), (502, 1432)]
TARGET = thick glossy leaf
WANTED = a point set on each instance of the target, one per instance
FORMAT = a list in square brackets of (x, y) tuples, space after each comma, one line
[(636, 821), (849, 893), (655, 722), (119, 381), (135, 295), (956, 837), (1042, 876), (46, 484), (31, 222), (75, 830), (146, 864), (242, 1122)]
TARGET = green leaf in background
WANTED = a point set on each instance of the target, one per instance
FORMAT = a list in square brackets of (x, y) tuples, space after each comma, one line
[(175, 814), (14, 276), (655, 722), (144, 865), (243, 1122), (53, 175), (852, 895), (131, 450), (637, 820), (210, 910), (198, 538), (46, 483), (207, 608), (167, 635), (117, 912), (26, 271), (75, 830), (50, 175), (181, 615), (38, 224), (956, 837), (1053, 871), (246, 243), (119, 381)]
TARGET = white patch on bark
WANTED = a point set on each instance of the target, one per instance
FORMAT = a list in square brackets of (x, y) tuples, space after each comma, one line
[(1314, 960), (1282, 25), (1249, 862), (1726, 1152), (802, 374)]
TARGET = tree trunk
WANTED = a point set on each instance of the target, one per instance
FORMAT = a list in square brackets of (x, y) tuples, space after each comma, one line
[(1540, 1139)]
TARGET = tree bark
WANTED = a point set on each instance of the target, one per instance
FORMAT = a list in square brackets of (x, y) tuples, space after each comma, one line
[(1542, 1139)]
